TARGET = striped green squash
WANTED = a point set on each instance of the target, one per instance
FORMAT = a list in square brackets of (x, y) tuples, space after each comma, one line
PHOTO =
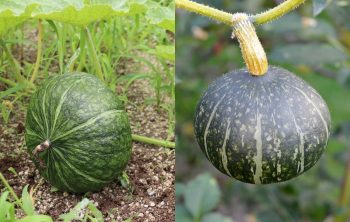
[(77, 132), (263, 129)]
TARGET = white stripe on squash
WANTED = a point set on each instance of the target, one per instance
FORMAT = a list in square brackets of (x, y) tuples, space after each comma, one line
[(59, 106), (317, 110), (208, 125), (301, 146), (258, 158), (223, 149)]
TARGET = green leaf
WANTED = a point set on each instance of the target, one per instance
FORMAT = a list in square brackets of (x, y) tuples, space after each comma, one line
[(36, 218), (53, 189), (81, 13), (95, 212), (3, 205), (202, 195), (74, 213), (319, 5), (12, 170), (166, 51), (162, 16), (5, 112), (12, 90), (216, 217), (130, 78), (27, 202), (76, 12), (10, 212), (308, 54), (180, 189), (128, 220), (181, 214)]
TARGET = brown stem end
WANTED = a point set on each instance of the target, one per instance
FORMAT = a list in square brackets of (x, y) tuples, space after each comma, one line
[(41, 147)]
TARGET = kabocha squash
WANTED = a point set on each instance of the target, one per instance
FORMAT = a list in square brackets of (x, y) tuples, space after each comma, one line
[(262, 129), (77, 133)]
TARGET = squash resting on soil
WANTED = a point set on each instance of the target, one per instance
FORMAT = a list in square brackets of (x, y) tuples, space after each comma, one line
[(77, 132)]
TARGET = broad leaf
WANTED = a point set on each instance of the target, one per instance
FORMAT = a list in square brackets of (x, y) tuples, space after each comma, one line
[(80, 12), (216, 217), (166, 51), (95, 212), (308, 54), (74, 213), (181, 214), (162, 16), (319, 5), (202, 195), (180, 189), (3, 205)]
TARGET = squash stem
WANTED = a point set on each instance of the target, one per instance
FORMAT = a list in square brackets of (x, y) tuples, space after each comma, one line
[(253, 52), (153, 141)]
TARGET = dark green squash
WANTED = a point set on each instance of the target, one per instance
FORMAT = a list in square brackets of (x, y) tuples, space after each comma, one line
[(77, 132), (262, 129)]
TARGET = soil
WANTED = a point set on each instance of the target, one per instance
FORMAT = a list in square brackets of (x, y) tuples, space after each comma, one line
[(151, 169)]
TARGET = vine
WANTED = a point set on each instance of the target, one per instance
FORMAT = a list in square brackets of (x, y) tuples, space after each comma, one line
[(226, 17), (153, 141)]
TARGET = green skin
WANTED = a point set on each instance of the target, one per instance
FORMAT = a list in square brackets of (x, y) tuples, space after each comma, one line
[(87, 129), (264, 129)]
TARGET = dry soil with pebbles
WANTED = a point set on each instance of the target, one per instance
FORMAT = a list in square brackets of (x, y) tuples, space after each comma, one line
[(151, 169)]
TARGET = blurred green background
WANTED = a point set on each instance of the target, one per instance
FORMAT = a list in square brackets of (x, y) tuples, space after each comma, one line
[(317, 48)]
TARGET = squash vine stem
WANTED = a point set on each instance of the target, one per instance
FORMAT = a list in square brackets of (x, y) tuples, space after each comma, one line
[(226, 17), (153, 141)]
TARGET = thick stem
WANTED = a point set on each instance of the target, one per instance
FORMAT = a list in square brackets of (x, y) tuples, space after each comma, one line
[(39, 52), (277, 11), (93, 53), (226, 17), (153, 141), (205, 10), (252, 51)]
